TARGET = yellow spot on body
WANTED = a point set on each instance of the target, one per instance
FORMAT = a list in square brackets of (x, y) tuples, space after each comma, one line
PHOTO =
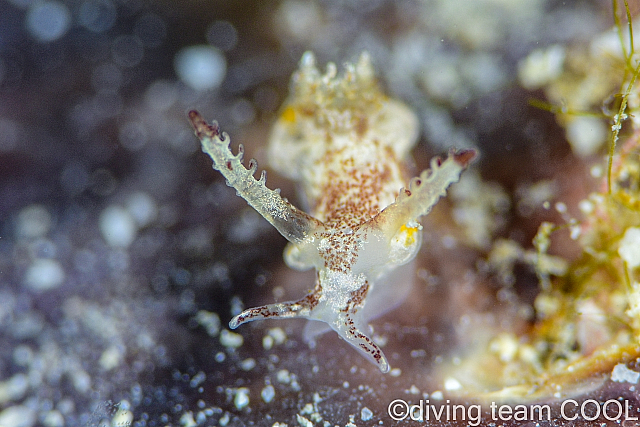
[(409, 233), (289, 115)]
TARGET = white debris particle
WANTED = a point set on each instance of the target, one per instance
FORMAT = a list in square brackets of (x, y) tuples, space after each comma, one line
[(530, 196), (241, 399), (210, 321), (541, 66), (395, 372), (413, 389), (187, 420), (118, 227), (237, 306), (629, 249), (278, 335), (575, 231), (33, 221), (586, 135), (283, 376), (200, 67), (44, 274), (596, 171), (561, 207), (506, 346), (277, 424), (275, 336), (197, 379), (267, 342), (616, 126), (201, 417), (418, 353), (483, 70), (437, 395), (607, 43), (299, 20), (143, 208), (81, 380), (248, 364), (268, 393), (381, 340), (452, 384), (224, 420), (13, 389), (307, 409), (219, 357), (230, 339), (53, 419), (17, 416), (303, 422), (278, 292), (623, 374), (122, 418), (316, 417), (294, 383), (366, 414), (110, 358), (586, 207)]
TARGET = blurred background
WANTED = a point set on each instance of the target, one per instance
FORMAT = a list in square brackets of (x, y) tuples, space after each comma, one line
[(123, 255)]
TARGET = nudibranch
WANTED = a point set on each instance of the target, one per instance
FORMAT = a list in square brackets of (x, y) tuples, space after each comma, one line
[(346, 144)]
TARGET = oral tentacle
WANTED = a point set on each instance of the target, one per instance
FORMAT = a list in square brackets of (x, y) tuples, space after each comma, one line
[(282, 310), (295, 225), (423, 192)]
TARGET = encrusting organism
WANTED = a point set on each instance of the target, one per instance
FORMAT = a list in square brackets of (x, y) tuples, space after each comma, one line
[(587, 322)]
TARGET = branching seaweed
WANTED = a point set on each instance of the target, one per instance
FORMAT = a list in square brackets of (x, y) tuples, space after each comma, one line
[(587, 318)]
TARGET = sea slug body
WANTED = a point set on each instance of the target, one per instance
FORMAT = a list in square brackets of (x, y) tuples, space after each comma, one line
[(346, 144)]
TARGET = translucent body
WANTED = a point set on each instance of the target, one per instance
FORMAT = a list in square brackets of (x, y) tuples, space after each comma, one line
[(346, 144)]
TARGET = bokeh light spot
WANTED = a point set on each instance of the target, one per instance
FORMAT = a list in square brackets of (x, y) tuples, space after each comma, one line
[(48, 21), (223, 35), (201, 67), (97, 15)]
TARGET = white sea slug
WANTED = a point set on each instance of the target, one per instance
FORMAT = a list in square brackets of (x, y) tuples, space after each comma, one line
[(346, 144)]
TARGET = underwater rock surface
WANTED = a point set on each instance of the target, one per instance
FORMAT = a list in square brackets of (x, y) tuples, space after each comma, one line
[(123, 256)]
